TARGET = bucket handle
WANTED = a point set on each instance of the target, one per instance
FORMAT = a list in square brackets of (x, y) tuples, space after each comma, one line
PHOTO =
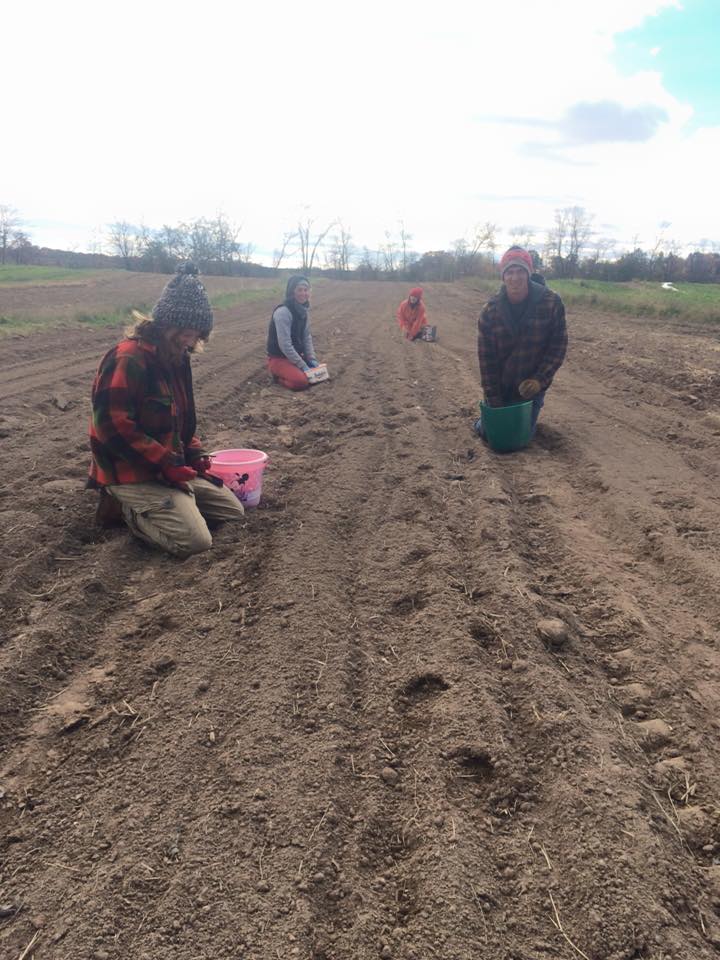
[(242, 478)]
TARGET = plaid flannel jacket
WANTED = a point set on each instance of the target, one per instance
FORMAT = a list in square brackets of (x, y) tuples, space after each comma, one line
[(143, 416), (509, 354)]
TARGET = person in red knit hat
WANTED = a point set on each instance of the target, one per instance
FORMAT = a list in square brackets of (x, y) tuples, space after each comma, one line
[(522, 337), (411, 314)]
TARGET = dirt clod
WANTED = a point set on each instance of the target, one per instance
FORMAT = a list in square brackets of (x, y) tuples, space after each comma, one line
[(672, 766), (554, 631), (656, 731)]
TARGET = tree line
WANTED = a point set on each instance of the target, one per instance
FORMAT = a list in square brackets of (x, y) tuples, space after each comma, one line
[(570, 248)]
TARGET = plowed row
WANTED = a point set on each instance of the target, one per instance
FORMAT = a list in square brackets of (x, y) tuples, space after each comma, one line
[(338, 734)]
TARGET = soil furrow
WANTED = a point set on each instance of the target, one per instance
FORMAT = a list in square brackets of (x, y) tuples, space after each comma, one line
[(339, 734)]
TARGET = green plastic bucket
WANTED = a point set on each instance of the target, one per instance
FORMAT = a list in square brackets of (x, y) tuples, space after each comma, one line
[(507, 428)]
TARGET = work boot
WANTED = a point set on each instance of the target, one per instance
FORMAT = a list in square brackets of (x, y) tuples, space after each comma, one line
[(109, 512)]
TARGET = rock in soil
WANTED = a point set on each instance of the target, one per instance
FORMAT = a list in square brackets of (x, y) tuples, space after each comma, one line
[(656, 731), (671, 766), (554, 631)]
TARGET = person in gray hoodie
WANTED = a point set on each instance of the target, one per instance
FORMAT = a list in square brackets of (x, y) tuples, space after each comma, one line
[(290, 350)]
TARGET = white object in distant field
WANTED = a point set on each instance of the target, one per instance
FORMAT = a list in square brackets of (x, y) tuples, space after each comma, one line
[(671, 286)]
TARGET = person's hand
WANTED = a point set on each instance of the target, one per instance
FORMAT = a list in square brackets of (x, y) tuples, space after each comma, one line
[(202, 464), (529, 389), (178, 474), (313, 363)]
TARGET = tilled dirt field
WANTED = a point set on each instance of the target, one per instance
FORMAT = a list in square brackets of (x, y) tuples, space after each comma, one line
[(338, 734), (97, 292)]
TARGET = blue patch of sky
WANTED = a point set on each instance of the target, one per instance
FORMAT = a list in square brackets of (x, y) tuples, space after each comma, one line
[(683, 46)]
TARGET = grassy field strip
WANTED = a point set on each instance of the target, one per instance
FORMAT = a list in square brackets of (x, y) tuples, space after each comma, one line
[(21, 274), (21, 324), (222, 301), (694, 302), (24, 325)]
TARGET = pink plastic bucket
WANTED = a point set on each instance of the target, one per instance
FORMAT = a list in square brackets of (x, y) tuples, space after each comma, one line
[(242, 472)]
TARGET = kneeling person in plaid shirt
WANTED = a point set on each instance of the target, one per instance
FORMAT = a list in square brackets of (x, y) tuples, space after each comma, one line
[(146, 460), (522, 337)]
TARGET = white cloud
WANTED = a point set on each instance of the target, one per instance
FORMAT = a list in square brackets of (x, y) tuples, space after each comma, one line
[(373, 112)]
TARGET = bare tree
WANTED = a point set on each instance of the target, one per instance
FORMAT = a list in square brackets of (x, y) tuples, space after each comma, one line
[(468, 253), (96, 242), (366, 268), (123, 240), (9, 220), (175, 241), (201, 236), (579, 230), (405, 239), (389, 252), (341, 249), (603, 248), (143, 239), (661, 241), (483, 239), (20, 244), (309, 244), (567, 238), (246, 250), (557, 236), (280, 254), (523, 235), (225, 235)]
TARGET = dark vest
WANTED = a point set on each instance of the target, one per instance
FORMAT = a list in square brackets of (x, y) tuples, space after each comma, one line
[(297, 332)]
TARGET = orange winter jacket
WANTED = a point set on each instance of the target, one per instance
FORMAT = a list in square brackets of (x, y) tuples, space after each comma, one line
[(411, 319)]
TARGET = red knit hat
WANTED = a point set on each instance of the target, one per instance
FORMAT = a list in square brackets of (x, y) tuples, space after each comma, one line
[(416, 292), (516, 257)]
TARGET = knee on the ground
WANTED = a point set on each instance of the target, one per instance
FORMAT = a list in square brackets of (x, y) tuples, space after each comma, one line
[(192, 541)]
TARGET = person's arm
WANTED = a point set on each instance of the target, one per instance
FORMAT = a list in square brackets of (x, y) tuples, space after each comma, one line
[(117, 398), (487, 357), (400, 314), (418, 322), (556, 349), (282, 318), (195, 451), (308, 348)]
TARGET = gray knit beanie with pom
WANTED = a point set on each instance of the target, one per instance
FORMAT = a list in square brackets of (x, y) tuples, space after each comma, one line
[(184, 303)]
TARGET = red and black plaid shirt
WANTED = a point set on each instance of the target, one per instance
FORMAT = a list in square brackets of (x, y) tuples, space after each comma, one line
[(511, 352), (143, 416)]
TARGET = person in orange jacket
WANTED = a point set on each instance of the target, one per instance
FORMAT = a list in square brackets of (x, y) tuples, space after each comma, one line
[(411, 314)]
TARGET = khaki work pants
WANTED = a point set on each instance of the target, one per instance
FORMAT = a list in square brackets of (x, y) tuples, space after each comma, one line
[(172, 519)]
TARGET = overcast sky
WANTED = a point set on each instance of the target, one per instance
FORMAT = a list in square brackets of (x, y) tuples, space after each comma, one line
[(442, 115)]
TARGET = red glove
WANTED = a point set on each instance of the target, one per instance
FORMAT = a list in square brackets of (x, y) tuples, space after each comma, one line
[(178, 474), (202, 464)]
